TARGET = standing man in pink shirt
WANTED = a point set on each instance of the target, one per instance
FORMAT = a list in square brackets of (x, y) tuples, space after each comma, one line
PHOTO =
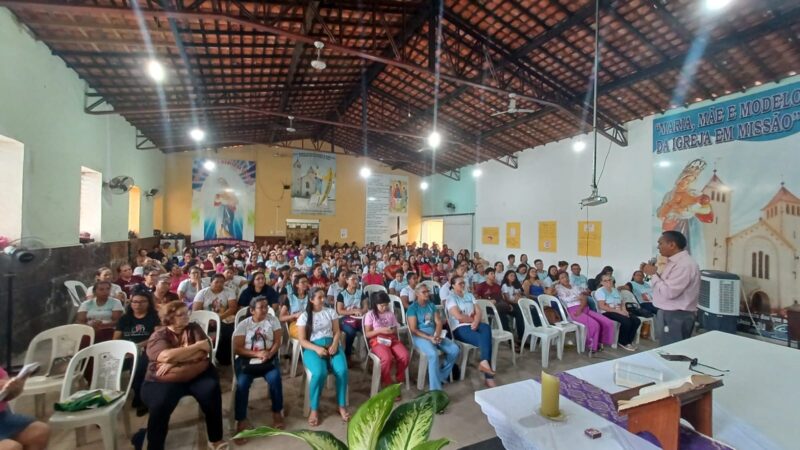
[(675, 289)]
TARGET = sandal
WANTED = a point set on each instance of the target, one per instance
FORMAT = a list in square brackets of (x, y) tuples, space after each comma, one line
[(241, 426), (277, 420), (487, 369), (313, 419), (221, 446), (344, 414)]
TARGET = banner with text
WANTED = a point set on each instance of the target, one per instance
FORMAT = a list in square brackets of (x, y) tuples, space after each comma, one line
[(387, 209), (763, 116), (223, 201), (733, 192)]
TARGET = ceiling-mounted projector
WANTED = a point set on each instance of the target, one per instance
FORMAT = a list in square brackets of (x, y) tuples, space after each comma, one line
[(593, 200)]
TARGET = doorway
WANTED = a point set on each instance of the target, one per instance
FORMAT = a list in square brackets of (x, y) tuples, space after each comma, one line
[(304, 231), (432, 231)]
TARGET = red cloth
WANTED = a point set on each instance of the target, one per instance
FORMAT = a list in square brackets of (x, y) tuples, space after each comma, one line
[(484, 290), (370, 278)]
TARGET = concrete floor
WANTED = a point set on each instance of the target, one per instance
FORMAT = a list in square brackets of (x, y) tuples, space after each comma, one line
[(463, 423)]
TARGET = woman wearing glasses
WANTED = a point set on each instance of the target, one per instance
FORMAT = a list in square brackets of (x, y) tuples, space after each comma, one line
[(466, 325), (609, 301), (425, 325)]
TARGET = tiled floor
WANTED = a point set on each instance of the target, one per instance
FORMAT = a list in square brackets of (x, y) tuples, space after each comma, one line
[(463, 423)]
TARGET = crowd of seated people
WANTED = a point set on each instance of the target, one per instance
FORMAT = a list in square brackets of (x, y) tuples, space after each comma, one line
[(318, 296)]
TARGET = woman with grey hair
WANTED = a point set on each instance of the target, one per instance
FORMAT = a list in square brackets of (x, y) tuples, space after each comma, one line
[(425, 324)]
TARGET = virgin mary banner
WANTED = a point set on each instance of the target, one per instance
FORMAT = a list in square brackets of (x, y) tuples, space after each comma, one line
[(223, 201), (724, 176), (387, 209), (313, 183)]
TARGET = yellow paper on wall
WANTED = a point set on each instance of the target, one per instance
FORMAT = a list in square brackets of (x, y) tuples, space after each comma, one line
[(512, 234), (548, 236), (490, 235), (590, 238)]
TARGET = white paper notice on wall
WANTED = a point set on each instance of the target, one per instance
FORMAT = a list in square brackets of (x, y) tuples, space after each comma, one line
[(343, 233)]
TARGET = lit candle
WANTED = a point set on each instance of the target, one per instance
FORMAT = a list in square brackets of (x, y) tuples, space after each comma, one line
[(551, 387)]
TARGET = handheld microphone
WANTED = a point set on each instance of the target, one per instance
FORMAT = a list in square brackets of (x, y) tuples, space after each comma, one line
[(652, 261)]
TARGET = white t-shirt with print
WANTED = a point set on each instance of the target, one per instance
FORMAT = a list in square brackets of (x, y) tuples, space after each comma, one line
[(409, 292), (102, 313), (216, 302), (323, 323), (465, 304), (509, 290), (115, 291), (251, 331)]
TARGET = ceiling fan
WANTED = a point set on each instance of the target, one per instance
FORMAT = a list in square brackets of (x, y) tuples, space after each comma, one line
[(290, 128), (512, 107)]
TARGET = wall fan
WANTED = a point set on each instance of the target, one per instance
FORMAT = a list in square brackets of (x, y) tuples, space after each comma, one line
[(119, 185), (512, 107), (22, 255)]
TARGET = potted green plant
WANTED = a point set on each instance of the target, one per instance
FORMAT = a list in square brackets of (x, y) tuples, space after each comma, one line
[(375, 425)]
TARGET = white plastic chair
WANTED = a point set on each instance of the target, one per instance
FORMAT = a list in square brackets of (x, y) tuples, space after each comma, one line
[(374, 288), (564, 312), (397, 305), (204, 319), (464, 347), (628, 297), (431, 284), (498, 333), (72, 287), (65, 342), (376, 367), (616, 324), (107, 360), (296, 350), (547, 335), (566, 325), (330, 382)]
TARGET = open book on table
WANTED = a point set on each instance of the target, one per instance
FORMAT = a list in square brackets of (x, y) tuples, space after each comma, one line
[(654, 392)]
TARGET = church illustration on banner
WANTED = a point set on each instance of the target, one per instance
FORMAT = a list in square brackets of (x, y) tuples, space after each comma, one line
[(765, 254)]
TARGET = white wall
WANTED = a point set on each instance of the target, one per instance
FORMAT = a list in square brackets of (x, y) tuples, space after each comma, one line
[(549, 184), (12, 156), (41, 105)]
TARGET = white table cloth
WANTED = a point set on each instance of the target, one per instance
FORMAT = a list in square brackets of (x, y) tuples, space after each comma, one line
[(511, 410), (757, 408)]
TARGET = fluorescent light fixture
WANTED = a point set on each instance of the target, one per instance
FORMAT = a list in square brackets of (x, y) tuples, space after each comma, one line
[(664, 164), (579, 146), (209, 165), (716, 5), (197, 134), (423, 185), (365, 172), (477, 172), (434, 139), (156, 70), (371, 199)]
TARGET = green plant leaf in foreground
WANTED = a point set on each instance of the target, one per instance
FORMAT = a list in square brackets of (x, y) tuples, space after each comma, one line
[(317, 440), (440, 400), (409, 425), (433, 445), (367, 422)]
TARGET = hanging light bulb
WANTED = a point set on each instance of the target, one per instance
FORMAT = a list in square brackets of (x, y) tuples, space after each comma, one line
[(423, 185), (365, 172), (477, 172), (579, 146), (156, 70), (197, 134)]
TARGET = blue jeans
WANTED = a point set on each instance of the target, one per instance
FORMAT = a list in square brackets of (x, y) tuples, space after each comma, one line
[(350, 333), (481, 338), (244, 381), (436, 373)]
